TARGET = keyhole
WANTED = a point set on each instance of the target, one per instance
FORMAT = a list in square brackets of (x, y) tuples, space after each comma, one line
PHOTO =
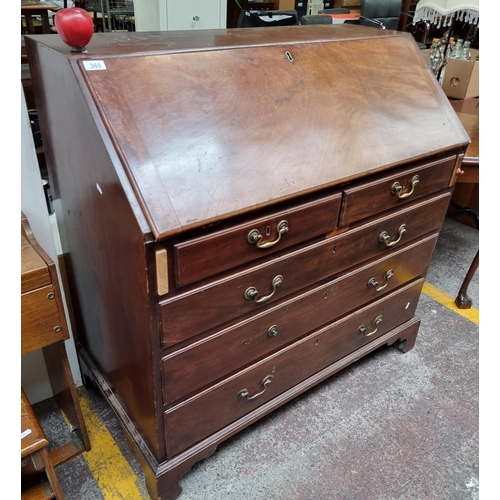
[(334, 249), (289, 56), (268, 230), (317, 341), (327, 293)]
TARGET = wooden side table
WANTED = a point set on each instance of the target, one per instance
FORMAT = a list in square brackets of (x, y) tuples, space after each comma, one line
[(43, 326), (34, 453), (463, 200), (42, 9)]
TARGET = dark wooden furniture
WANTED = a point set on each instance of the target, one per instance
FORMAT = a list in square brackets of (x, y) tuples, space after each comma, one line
[(244, 212), (43, 326), (233, 12), (34, 453), (465, 199)]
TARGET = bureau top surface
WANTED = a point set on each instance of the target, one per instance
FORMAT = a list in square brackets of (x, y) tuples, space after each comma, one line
[(209, 124)]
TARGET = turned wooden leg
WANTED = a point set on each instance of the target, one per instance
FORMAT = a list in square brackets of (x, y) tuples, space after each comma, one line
[(463, 301)]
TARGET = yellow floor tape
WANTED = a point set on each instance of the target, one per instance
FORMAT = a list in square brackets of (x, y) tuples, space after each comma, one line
[(112, 472), (448, 301)]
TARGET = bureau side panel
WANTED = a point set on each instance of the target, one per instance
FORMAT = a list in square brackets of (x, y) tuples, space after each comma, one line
[(104, 238)]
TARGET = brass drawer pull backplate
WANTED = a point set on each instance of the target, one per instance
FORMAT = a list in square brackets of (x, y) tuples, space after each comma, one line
[(252, 293), (255, 238), (373, 283), (364, 330), (397, 188), (245, 394), (386, 238)]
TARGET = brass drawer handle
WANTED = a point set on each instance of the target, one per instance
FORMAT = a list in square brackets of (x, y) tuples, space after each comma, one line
[(397, 188), (362, 329), (385, 237), (251, 293), (245, 394), (254, 237), (372, 283)]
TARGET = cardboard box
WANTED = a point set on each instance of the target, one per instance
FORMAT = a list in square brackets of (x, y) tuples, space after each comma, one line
[(286, 4), (461, 78), (346, 3)]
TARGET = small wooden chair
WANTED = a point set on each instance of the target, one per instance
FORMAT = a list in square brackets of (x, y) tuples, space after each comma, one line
[(34, 449)]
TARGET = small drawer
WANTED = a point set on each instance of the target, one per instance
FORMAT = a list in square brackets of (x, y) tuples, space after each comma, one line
[(250, 291), (209, 255), (367, 198), (40, 320), (199, 364), (211, 410)]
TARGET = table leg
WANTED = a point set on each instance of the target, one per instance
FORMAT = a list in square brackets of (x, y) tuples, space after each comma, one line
[(463, 301)]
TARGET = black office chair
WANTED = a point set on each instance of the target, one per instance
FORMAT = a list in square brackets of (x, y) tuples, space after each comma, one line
[(382, 13), (267, 18)]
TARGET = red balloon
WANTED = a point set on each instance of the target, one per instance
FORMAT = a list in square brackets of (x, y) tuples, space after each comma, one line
[(74, 26)]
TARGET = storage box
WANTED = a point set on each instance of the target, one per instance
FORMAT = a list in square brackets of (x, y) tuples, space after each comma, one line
[(286, 5), (461, 78), (342, 18), (347, 3)]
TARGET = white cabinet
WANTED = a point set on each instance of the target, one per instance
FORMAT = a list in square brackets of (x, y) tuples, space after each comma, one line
[(196, 14)]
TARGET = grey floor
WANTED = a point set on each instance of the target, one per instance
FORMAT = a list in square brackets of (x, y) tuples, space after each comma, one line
[(392, 426)]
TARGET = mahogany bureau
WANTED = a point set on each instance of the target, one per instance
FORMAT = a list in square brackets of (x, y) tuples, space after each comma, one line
[(243, 213)]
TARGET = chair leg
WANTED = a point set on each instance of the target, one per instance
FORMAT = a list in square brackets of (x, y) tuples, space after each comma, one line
[(51, 474), (463, 301)]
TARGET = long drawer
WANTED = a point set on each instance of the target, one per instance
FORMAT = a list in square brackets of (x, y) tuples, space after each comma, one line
[(198, 365), (189, 314), (218, 406)]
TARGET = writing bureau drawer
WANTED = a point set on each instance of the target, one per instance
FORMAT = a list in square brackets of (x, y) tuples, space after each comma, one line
[(225, 402), (367, 198), (209, 255), (198, 365), (221, 301)]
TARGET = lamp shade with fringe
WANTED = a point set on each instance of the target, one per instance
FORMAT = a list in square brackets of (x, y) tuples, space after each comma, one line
[(444, 12)]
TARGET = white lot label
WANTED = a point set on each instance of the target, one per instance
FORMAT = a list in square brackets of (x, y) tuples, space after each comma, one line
[(94, 65)]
